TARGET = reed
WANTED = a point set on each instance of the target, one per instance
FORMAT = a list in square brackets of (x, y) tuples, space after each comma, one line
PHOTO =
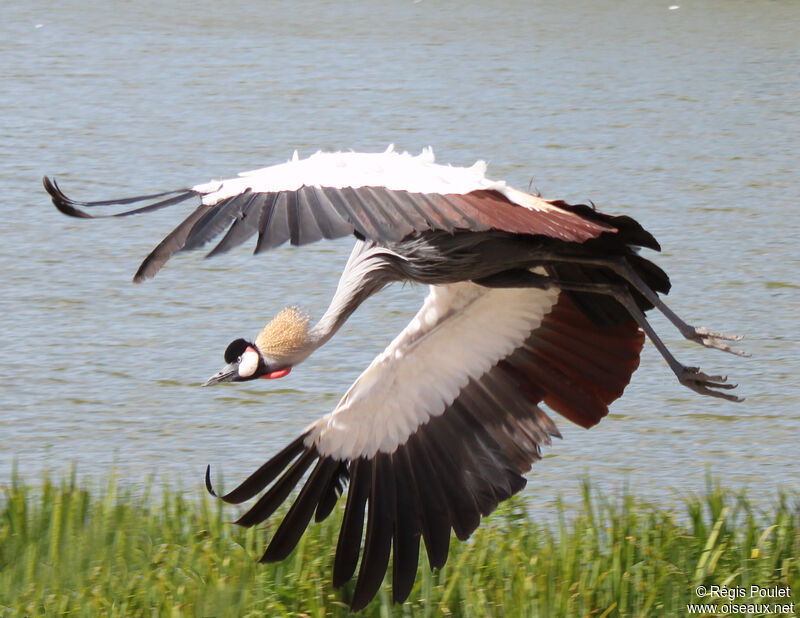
[(69, 550)]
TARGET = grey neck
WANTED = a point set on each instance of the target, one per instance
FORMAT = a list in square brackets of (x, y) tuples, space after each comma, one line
[(363, 276)]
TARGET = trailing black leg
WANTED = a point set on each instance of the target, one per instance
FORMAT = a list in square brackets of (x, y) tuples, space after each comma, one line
[(690, 377), (623, 268)]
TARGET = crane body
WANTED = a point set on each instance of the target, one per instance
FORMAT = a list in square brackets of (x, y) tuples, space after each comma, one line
[(531, 302)]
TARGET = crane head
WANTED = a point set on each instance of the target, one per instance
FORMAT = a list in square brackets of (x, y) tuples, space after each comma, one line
[(246, 362)]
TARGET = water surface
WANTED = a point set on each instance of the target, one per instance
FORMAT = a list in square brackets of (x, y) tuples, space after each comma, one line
[(685, 119)]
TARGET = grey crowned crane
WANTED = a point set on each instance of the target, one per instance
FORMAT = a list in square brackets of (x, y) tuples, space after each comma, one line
[(531, 301)]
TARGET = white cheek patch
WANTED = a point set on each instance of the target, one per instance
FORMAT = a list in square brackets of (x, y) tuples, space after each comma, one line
[(249, 363)]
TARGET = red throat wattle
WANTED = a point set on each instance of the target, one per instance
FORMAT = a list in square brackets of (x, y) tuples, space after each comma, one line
[(276, 374)]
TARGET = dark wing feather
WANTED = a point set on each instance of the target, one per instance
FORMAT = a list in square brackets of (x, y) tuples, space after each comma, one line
[(492, 209), (378, 541), (275, 495), (273, 228), (308, 230), (413, 210), (393, 225), (349, 545), (70, 207), (372, 212), (299, 515), (435, 514), (328, 219), (374, 223), (292, 217), (439, 215), (254, 211), (443, 442), (220, 216), (332, 492), (167, 247), (262, 477), (582, 397), (407, 527), (632, 229)]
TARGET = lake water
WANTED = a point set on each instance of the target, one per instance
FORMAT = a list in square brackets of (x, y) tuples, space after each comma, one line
[(685, 118)]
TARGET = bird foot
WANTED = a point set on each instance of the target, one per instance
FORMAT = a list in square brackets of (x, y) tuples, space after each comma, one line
[(711, 339), (699, 382)]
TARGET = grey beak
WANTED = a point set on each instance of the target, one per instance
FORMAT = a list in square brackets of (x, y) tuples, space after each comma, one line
[(228, 373)]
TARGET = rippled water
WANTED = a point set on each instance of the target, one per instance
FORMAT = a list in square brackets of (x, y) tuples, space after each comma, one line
[(684, 118)]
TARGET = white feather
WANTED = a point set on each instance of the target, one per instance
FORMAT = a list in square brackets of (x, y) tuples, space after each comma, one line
[(461, 331), (393, 170), (248, 364)]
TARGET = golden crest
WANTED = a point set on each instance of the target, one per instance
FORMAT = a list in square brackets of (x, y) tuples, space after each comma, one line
[(285, 334)]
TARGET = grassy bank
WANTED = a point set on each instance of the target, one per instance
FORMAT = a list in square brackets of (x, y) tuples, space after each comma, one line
[(67, 550)]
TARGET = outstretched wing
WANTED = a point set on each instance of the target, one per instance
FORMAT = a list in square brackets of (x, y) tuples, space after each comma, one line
[(441, 426), (382, 197)]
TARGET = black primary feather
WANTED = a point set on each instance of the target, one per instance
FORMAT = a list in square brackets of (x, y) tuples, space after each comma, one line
[(276, 494), (378, 541), (349, 544), (407, 528), (299, 515), (263, 476), (68, 206)]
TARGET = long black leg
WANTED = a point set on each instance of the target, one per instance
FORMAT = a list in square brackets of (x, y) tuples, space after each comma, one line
[(622, 267), (691, 377)]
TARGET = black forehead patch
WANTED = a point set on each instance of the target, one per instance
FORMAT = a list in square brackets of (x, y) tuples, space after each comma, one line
[(236, 349)]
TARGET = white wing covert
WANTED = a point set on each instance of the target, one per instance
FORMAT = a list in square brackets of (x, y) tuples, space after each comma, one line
[(459, 333)]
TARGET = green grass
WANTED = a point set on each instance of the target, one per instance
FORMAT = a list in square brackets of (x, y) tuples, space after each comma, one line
[(66, 550)]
